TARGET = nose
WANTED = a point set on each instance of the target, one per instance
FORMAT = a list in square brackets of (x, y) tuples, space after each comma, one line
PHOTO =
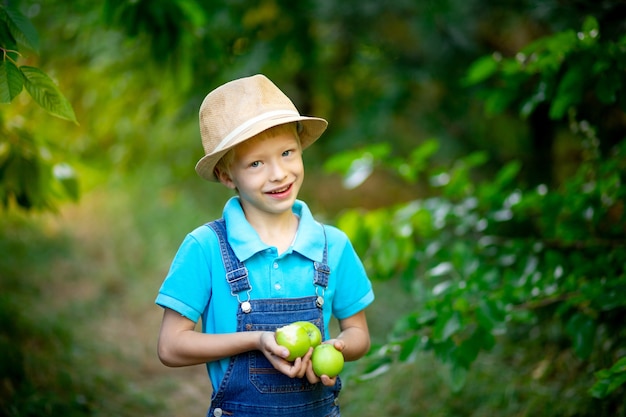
[(278, 171)]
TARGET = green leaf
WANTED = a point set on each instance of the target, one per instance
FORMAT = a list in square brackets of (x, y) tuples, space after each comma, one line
[(569, 92), (582, 329), (475, 159), (387, 257), (193, 12), (445, 350), (6, 38), (45, 92), (529, 106), (342, 162), (468, 350), (559, 45), (608, 380), (619, 366), (11, 81), (458, 376), (600, 389), (22, 29), (590, 26), (407, 347), (616, 381), (481, 69), (489, 314), (426, 317), (374, 366), (447, 325), (498, 100), (418, 160), (508, 174)]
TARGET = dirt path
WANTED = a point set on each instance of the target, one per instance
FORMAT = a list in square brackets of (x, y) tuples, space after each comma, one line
[(106, 275), (185, 391)]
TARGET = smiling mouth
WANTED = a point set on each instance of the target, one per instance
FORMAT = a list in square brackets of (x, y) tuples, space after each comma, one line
[(280, 190)]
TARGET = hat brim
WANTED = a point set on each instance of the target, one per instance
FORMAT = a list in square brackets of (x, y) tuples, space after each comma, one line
[(312, 129)]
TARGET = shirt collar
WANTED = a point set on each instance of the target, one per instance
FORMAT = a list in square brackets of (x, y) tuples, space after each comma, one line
[(246, 242)]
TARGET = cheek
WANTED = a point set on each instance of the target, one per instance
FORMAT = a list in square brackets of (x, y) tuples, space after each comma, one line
[(298, 166)]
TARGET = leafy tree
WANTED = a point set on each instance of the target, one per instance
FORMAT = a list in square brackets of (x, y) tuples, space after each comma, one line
[(495, 261), (27, 176), (517, 246)]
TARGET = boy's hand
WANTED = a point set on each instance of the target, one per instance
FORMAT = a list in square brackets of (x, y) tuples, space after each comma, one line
[(277, 355)]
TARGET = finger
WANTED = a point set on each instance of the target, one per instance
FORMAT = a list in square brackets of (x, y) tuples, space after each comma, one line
[(282, 352), (307, 356), (339, 344), (269, 345), (298, 368), (311, 376), (290, 369), (279, 351), (328, 381), (301, 364)]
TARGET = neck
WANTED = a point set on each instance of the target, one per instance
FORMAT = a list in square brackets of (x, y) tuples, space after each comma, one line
[(277, 230)]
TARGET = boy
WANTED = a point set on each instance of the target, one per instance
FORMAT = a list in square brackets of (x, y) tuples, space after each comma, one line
[(265, 264)]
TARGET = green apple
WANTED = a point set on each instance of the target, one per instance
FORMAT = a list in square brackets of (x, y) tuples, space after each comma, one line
[(312, 330), (327, 360), (295, 338)]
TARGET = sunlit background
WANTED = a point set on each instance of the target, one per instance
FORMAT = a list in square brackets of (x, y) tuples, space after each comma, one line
[(475, 154)]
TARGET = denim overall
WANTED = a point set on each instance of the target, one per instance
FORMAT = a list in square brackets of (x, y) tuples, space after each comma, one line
[(251, 385)]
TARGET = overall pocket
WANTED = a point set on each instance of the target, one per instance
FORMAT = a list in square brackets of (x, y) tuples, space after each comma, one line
[(263, 375), (267, 379)]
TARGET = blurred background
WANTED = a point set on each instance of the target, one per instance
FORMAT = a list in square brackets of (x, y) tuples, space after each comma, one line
[(475, 155)]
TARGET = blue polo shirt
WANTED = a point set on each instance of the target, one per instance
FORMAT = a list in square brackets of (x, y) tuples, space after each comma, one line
[(196, 286)]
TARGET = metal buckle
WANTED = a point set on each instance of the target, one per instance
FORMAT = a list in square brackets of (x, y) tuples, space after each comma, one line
[(319, 301), (246, 307)]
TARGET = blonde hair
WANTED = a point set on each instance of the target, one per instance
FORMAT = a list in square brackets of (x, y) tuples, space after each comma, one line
[(225, 162)]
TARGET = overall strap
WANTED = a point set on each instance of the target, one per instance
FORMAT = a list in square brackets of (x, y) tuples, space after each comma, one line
[(322, 272), (236, 271)]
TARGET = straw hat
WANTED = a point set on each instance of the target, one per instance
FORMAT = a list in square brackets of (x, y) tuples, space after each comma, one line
[(241, 109)]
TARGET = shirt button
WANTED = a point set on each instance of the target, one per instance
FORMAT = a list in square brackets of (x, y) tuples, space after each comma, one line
[(277, 286), (275, 265), (217, 412)]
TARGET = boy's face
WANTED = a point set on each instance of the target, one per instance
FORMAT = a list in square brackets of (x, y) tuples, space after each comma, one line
[(267, 172)]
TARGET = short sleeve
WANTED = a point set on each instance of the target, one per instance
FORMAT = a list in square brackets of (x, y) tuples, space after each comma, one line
[(353, 291), (187, 286)]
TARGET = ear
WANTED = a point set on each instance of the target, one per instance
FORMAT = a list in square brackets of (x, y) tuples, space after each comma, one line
[(224, 178)]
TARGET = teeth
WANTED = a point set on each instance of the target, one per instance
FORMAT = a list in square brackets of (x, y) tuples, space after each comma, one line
[(280, 191)]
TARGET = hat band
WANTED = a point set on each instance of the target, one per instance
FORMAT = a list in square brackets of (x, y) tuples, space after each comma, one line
[(242, 127)]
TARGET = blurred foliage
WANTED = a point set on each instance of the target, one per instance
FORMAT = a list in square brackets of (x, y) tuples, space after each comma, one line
[(27, 177), (573, 74), (48, 367), (394, 70), (516, 247), (488, 261)]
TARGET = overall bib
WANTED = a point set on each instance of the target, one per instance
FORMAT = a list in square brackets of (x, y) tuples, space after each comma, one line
[(251, 386)]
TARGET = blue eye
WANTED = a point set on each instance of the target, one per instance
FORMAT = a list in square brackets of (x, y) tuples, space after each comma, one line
[(255, 164)]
